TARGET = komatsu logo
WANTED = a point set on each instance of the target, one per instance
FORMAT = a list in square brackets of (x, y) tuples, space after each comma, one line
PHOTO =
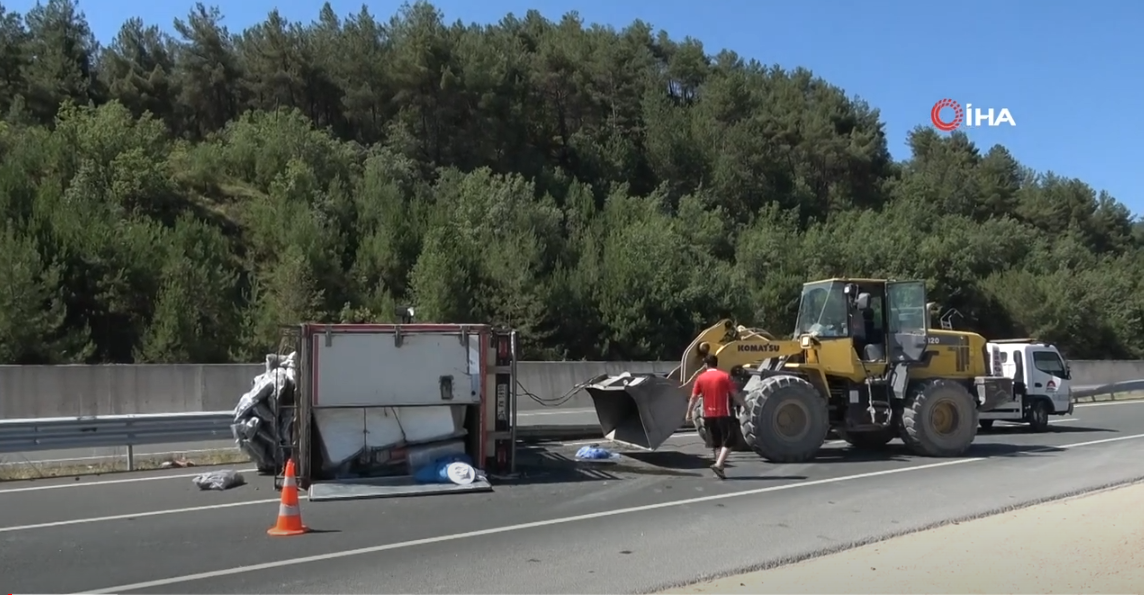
[(762, 348)]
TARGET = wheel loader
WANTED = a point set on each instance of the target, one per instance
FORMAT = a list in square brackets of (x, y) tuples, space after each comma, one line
[(862, 362)]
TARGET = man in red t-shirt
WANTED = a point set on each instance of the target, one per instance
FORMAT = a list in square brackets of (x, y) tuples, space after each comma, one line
[(716, 389)]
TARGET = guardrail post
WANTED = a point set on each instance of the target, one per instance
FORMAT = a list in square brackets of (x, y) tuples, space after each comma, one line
[(130, 457)]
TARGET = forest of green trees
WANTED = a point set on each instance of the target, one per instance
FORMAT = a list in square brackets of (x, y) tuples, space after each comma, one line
[(174, 197)]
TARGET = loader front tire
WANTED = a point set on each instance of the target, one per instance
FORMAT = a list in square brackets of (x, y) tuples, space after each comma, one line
[(785, 420), (939, 420)]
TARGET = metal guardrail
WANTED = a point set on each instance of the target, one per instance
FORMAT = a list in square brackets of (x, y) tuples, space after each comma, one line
[(63, 433), (1112, 388)]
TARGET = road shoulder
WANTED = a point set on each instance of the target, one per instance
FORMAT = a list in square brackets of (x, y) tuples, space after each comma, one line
[(1087, 544)]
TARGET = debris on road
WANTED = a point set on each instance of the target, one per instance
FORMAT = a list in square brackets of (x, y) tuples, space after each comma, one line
[(219, 480), (594, 453), (176, 464)]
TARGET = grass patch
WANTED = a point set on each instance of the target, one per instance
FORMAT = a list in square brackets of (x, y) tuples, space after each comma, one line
[(41, 470)]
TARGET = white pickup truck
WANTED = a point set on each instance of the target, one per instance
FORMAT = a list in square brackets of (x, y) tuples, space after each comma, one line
[(1042, 383)]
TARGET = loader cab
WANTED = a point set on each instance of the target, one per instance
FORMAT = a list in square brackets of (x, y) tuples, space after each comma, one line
[(823, 311), (906, 320), (886, 320)]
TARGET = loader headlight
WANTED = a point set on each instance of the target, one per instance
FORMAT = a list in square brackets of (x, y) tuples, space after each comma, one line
[(807, 341)]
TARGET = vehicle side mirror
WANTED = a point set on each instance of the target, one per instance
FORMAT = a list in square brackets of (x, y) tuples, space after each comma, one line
[(1068, 373)]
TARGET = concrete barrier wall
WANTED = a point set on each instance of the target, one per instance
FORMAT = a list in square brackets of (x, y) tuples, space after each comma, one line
[(1105, 371), (60, 391)]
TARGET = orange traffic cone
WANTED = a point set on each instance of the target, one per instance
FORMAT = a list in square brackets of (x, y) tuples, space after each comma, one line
[(289, 514)]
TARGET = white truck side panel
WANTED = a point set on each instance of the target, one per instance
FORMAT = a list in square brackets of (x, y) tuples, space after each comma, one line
[(371, 370), (1037, 382)]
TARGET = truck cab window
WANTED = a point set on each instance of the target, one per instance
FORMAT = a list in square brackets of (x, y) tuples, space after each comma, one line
[(1049, 363)]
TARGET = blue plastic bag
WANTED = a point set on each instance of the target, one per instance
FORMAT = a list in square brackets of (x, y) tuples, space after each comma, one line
[(593, 452)]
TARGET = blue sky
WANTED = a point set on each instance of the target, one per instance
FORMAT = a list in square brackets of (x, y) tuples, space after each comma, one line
[(1068, 71)]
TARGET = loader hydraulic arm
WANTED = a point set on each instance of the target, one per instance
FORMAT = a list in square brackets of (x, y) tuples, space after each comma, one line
[(735, 346)]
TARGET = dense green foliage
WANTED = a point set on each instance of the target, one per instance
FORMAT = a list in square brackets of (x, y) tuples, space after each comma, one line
[(174, 199)]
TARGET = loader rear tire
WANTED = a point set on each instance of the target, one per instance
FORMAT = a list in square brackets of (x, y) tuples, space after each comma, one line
[(785, 420), (871, 440), (940, 419)]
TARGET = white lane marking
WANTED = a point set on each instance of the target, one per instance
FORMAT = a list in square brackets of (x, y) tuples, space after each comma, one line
[(565, 520), (88, 484), (135, 515)]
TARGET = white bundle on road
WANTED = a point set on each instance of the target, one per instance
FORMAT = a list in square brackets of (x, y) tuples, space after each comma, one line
[(255, 427)]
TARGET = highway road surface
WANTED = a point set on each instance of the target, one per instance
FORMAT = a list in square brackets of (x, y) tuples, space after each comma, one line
[(652, 521)]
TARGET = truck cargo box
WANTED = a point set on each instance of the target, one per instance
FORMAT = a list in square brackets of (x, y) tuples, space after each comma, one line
[(379, 402)]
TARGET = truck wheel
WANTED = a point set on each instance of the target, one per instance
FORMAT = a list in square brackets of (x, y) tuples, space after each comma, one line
[(986, 424), (786, 420), (1038, 416), (940, 419), (870, 440)]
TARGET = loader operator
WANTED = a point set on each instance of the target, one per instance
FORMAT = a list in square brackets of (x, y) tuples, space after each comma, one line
[(716, 389)]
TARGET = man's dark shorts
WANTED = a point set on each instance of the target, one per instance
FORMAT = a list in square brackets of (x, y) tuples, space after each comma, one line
[(721, 431)]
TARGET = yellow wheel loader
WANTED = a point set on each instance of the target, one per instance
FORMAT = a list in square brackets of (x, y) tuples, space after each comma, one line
[(862, 361)]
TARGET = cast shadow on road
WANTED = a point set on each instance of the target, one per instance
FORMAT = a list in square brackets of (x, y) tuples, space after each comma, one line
[(898, 452), (682, 460), (540, 466), (313, 531), (990, 450), (672, 460)]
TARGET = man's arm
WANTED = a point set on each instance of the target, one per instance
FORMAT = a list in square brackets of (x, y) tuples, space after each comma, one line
[(736, 394), (696, 392)]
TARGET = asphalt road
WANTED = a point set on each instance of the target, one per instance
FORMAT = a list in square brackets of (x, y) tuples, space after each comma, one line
[(656, 520)]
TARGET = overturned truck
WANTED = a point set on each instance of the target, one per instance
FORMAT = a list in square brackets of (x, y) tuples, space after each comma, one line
[(373, 410)]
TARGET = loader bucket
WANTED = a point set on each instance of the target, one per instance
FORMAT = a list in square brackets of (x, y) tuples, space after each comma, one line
[(641, 410)]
